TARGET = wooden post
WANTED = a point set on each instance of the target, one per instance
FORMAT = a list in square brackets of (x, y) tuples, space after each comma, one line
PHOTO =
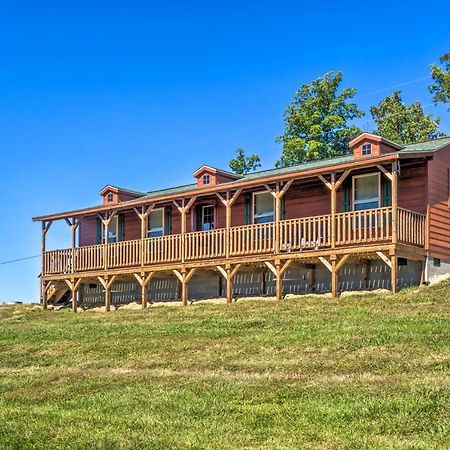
[(184, 276), (229, 281), (394, 273), (107, 283), (44, 294), (143, 215), (228, 202), (74, 286), (107, 295), (228, 273), (144, 281), (73, 224), (183, 209), (277, 223), (278, 271), (279, 283), (394, 201), (333, 210), (334, 279), (45, 227)]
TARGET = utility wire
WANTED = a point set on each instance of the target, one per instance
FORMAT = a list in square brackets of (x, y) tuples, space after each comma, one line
[(19, 259)]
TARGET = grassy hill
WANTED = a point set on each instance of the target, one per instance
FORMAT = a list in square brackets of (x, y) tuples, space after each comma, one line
[(356, 372)]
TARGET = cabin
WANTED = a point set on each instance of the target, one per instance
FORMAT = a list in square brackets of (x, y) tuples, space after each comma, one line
[(378, 217)]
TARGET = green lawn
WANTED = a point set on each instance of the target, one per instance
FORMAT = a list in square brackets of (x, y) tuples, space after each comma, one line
[(365, 371)]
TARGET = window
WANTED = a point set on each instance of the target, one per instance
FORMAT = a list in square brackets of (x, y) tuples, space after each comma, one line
[(436, 262), (366, 191), (110, 197), (207, 217), (113, 229), (156, 223), (263, 207), (206, 179), (366, 149)]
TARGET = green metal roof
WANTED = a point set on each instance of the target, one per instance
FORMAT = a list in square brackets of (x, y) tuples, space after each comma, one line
[(428, 146)]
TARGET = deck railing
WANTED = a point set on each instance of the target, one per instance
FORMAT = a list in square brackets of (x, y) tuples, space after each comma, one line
[(294, 235)]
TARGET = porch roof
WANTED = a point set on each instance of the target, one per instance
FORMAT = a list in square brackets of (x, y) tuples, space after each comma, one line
[(249, 180)]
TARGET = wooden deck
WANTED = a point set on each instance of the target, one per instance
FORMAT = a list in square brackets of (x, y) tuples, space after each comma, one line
[(274, 239)]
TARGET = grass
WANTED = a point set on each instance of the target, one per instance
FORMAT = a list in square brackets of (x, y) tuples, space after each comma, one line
[(364, 371)]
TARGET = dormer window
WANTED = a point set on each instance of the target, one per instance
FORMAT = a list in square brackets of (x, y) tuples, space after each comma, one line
[(110, 197), (206, 179), (366, 149)]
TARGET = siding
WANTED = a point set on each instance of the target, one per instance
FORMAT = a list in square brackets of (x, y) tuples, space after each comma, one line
[(438, 198)]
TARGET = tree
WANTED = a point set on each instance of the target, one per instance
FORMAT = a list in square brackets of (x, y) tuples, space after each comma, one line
[(403, 124), (317, 121), (441, 76), (244, 164)]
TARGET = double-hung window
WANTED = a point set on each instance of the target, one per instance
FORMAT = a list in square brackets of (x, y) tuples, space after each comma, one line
[(263, 207), (113, 230), (366, 191), (156, 223)]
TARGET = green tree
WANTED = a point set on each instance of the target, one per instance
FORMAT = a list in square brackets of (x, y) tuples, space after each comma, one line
[(441, 76), (242, 164), (317, 121), (403, 124)]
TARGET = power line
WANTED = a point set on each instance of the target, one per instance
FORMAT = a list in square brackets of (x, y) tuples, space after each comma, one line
[(19, 259)]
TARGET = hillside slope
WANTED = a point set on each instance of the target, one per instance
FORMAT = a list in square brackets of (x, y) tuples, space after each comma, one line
[(360, 371)]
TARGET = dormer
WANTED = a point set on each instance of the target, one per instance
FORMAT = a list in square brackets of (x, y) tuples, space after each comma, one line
[(210, 176), (367, 145), (113, 194)]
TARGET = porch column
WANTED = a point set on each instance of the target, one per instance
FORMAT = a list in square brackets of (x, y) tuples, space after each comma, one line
[(74, 286), (107, 283), (334, 279), (278, 194), (278, 270), (45, 289), (228, 273), (333, 186), (106, 221), (184, 276), (45, 227), (394, 273), (73, 224), (228, 202), (144, 281), (184, 209), (394, 195), (143, 215), (334, 265)]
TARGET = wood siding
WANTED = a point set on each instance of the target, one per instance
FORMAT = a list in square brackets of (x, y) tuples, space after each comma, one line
[(438, 198)]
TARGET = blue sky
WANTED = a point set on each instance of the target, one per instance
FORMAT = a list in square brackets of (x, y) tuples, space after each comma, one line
[(140, 94)]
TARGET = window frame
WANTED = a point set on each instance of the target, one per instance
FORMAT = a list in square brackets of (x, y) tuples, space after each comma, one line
[(163, 230), (203, 207), (364, 151), (368, 200), (205, 177), (110, 197), (254, 216)]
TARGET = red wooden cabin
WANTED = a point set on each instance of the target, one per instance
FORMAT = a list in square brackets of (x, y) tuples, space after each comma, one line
[(376, 218)]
